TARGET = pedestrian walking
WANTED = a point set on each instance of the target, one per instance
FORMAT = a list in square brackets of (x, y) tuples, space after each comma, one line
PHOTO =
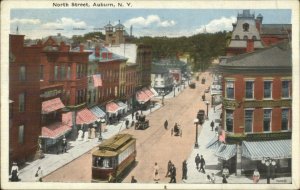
[(156, 176), (256, 176), (14, 172), (133, 180), (208, 179), (39, 175), (202, 164), (213, 180), (224, 180), (169, 168), (127, 123), (173, 174), (64, 145), (184, 170), (212, 125), (132, 115), (203, 97), (166, 124), (137, 116), (197, 161)]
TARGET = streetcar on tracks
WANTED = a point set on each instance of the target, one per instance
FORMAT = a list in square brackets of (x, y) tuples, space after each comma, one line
[(113, 159)]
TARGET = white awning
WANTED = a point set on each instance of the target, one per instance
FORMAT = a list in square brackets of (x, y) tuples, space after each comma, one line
[(226, 151)]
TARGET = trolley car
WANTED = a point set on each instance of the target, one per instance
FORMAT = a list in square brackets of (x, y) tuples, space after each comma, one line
[(114, 158)]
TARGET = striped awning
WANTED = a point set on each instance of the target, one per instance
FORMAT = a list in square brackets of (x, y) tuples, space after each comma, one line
[(112, 107), (276, 149), (52, 105), (121, 105), (85, 116), (226, 151), (213, 144), (55, 130), (142, 97), (148, 92), (153, 91), (97, 112), (97, 80)]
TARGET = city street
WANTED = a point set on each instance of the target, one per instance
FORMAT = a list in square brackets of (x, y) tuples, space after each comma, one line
[(154, 144)]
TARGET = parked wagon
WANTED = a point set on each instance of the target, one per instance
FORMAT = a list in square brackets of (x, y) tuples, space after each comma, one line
[(142, 122)]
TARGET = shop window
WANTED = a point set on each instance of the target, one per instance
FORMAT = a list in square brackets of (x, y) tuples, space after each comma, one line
[(229, 120), (267, 120), (285, 119), (267, 89), (248, 121)]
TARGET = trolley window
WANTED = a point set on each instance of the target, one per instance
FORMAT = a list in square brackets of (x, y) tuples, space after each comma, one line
[(102, 162)]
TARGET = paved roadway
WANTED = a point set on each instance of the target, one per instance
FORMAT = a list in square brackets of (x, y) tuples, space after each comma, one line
[(154, 144)]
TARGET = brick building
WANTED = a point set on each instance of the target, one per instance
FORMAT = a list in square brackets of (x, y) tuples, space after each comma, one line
[(257, 109), (24, 95)]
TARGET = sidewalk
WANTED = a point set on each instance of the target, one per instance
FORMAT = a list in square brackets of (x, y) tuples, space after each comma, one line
[(52, 162), (211, 160)]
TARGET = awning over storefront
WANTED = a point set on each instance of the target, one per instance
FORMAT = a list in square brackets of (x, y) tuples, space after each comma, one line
[(148, 92), (142, 97), (257, 150), (55, 130), (97, 112), (52, 105), (226, 151), (85, 116), (112, 107), (153, 91), (122, 106), (213, 144)]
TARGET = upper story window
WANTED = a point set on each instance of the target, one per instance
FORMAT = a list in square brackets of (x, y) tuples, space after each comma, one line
[(229, 120), (285, 89), (21, 134), (55, 72), (249, 89), (285, 119), (22, 102), (69, 72), (62, 72), (267, 120), (245, 37), (41, 72), (237, 37), (248, 121), (246, 27), (267, 89), (22, 73), (254, 38), (230, 89)]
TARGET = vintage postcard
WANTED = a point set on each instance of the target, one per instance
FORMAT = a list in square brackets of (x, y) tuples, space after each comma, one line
[(149, 94)]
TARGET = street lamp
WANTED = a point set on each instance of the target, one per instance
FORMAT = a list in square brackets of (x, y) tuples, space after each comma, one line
[(207, 103), (269, 162), (196, 122), (162, 99)]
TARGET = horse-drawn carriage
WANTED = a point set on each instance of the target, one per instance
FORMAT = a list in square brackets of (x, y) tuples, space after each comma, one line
[(142, 122)]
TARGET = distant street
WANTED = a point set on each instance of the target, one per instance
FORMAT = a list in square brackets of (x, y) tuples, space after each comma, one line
[(154, 144)]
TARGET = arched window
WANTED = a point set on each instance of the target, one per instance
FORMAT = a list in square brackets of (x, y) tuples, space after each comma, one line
[(246, 27), (245, 37), (253, 37), (237, 37)]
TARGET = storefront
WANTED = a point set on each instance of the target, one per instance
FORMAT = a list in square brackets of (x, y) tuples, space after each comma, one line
[(112, 112)]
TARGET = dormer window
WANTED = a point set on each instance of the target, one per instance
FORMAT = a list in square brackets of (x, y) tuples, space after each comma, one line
[(246, 27)]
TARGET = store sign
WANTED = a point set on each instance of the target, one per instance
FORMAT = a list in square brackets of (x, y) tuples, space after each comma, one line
[(50, 93), (267, 103), (269, 136)]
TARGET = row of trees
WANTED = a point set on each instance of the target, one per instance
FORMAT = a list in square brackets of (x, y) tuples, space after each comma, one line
[(202, 48)]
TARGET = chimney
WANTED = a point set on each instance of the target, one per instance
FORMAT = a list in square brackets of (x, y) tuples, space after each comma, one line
[(81, 47), (97, 51), (258, 22), (250, 46), (64, 47)]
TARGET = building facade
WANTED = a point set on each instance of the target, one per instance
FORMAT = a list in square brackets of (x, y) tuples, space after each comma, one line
[(257, 109)]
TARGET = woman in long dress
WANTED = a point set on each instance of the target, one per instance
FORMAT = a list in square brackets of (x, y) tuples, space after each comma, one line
[(256, 176), (156, 176)]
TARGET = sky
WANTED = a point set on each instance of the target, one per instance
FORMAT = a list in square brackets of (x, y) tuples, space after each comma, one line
[(39, 23)]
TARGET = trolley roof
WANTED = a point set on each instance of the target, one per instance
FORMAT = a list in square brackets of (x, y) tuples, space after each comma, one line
[(115, 142)]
